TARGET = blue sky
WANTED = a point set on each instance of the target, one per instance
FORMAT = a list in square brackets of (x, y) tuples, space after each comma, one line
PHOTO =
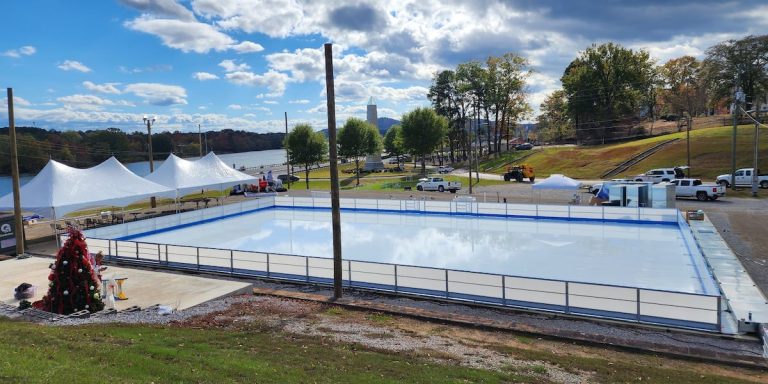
[(240, 64)]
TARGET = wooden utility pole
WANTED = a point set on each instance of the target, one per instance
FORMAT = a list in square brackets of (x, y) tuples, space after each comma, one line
[(18, 225), (335, 206), (736, 99)]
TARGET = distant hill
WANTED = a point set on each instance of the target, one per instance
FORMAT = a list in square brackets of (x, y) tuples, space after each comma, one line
[(385, 123)]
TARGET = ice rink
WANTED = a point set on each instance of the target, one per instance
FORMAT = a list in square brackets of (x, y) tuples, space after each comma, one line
[(653, 256)]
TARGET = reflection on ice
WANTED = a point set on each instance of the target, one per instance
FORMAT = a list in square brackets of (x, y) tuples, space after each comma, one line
[(648, 256)]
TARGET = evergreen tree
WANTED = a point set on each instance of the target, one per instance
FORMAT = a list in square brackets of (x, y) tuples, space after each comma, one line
[(73, 285)]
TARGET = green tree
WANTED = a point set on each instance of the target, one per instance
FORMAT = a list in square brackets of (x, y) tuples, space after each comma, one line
[(743, 62), (358, 138), (423, 131), (605, 84), (393, 141), (305, 147), (554, 123), (683, 89)]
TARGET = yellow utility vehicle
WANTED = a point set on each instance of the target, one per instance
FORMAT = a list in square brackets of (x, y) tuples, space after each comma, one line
[(520, 172)]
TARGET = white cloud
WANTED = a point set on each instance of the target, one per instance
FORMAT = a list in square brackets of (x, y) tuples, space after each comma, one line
[(235, 107), (158, 94), (17, 101), (26, 50), (16, 53), (161, 7), (90, 102), (187, 36), (272, 102), (272, 80), (102, 88), (151, 68), (203, 76), (231, 66), (247, 47), (272, 17), (72, 65), (300, 101)]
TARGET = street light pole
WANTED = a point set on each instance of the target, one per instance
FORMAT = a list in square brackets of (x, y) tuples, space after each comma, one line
[(149, 121)]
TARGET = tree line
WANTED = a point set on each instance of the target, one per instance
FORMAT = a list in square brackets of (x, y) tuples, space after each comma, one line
[(87, 148), (482, 102), (420, 133), (609, 89)]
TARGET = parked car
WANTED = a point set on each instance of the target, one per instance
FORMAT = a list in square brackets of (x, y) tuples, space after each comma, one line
[(662, 174), (524, 147), (696, 188), (438, 184), (743, 178), (284, 178), (444, 169)]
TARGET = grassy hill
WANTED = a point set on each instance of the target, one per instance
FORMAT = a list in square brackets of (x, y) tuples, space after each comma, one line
[(710, 155)]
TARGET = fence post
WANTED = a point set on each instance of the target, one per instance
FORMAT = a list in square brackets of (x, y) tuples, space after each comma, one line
[(137, 250), (158, 254), (231, 262), (349, 270), (395, 278), (719, 319), (198, 257), (446, 283), (109, 246), (638, 304), (267, 264), (503, 290), (567, 299), (166, 253), (306, 267)]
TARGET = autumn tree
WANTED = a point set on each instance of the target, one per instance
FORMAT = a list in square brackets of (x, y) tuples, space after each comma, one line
[(741, 62), (554, 123), (605, 84)]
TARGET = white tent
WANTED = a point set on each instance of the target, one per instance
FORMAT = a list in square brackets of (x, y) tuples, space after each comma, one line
[(208, 171), (557, 181), (59, 189)]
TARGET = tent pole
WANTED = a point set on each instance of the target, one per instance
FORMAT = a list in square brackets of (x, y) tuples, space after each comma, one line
[(55, 231)]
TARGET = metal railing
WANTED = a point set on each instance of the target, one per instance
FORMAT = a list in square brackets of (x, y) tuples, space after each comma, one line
[(676, 309)]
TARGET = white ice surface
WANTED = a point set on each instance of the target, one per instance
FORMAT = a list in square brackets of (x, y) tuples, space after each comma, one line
[(644, 256)]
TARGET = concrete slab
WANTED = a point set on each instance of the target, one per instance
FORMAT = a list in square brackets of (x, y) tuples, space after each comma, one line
[(143, 288)]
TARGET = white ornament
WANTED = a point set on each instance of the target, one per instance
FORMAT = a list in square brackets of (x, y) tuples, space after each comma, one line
[(65, 262), (86, 306), (80, 270), (92, 288), (66, 293)]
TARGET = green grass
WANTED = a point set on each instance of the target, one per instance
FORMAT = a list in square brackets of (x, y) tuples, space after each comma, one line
[(385, 184), (640, 368), (144, 354), (710, 155)]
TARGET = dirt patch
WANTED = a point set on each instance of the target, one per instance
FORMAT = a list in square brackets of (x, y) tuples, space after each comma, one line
[(550, 360)]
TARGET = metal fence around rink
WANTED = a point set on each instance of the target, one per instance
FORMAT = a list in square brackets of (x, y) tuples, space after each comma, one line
[(675, 309)]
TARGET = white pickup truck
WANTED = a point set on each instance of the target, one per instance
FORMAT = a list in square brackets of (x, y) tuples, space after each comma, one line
[(438, 184), (743, 179), (695, 188), (661, 174)]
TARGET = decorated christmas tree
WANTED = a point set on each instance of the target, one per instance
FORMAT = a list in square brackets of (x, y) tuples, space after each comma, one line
[(73, 285)]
